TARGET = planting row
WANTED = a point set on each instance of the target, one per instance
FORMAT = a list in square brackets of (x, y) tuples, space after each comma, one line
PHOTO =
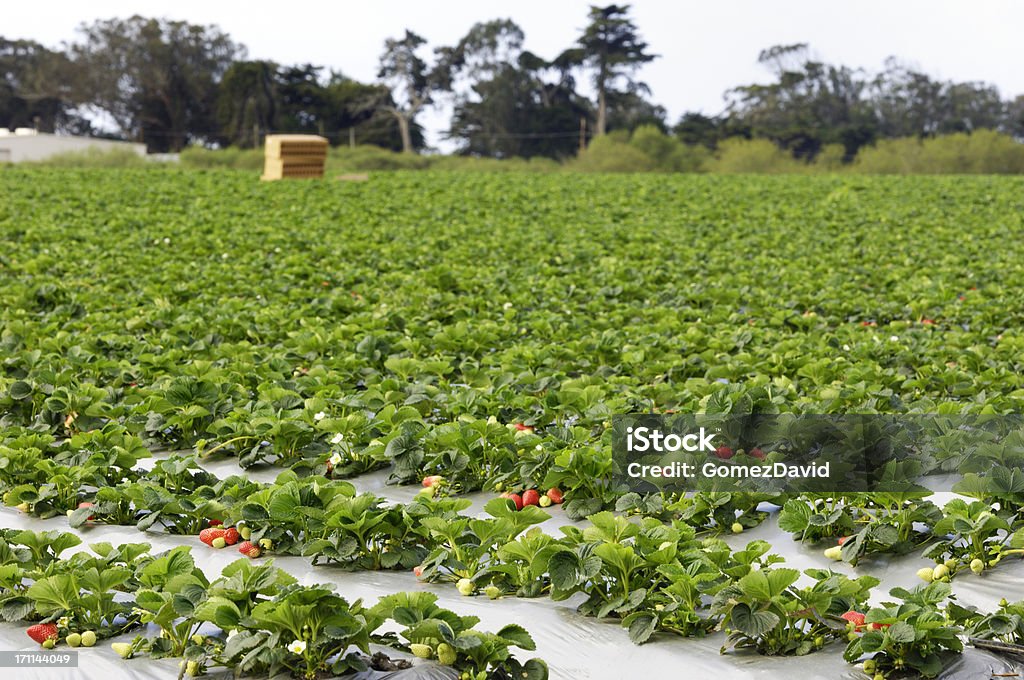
[(324, 518), (655, 577), (267, 623)]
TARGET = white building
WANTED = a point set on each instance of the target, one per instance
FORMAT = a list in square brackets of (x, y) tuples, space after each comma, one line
[(25, 144)]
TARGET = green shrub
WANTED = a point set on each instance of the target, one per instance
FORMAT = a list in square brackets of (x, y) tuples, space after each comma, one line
[(670, 154), (364, 158), (96, 158), (983, 151), (831, 159), (756, 156), (232, 157), (612, 153)]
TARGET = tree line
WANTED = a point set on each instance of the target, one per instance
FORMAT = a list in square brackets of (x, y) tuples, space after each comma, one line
[(171, 84)]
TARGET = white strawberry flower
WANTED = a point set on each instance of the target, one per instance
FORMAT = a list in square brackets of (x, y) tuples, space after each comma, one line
[(297, 647), (538, 447), (846, 348), (319, 416), (335, 459), (63, 622), (338, 438), (895, 338)]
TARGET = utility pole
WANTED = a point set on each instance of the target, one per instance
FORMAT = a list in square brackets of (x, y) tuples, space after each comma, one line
[(255, 135), (583, 135), (351, 138)]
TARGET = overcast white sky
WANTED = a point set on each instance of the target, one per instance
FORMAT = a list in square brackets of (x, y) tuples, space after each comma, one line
[(706, 46)]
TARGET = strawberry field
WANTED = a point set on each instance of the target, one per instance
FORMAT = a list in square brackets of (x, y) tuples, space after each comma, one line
[(321, 429)]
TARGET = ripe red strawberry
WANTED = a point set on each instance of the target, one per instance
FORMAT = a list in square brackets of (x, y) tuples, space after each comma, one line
[(231, 535), (555, 495), (531, 497), (86, 505), (431, 480), (207, 535), (248, 549), (927, 322), (724, 452), (523, 428), (41, 632), (757, 453), (515, 498), (418, 571), (855, 618), (216, 523), (842, 539)]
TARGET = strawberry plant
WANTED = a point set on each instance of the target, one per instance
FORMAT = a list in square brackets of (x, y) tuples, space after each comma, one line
[(912, 636), (433, 632), (765, 610), (972, 536), (464, 545), (524, 562), (298, 632), (172, 589)]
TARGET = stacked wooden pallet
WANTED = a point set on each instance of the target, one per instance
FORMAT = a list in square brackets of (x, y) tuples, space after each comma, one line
[(294, 156)]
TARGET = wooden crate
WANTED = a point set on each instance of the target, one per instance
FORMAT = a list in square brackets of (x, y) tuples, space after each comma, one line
[(294, 156), (277, 168)]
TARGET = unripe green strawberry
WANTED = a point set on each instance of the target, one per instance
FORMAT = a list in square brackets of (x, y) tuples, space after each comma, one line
[(940, 572), (446, 654), (88, 638), (493, 592), (737, 528), (193, 669), (244, 532), (266, 543), (926, 574), (123, 649), (950, 564), (545, 502), (22, 506), (878, 676), (869, 666), (219, 542), (465, 586), (421, 651), (198, 639), (73, 639), (977, 566), (834, 553)]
